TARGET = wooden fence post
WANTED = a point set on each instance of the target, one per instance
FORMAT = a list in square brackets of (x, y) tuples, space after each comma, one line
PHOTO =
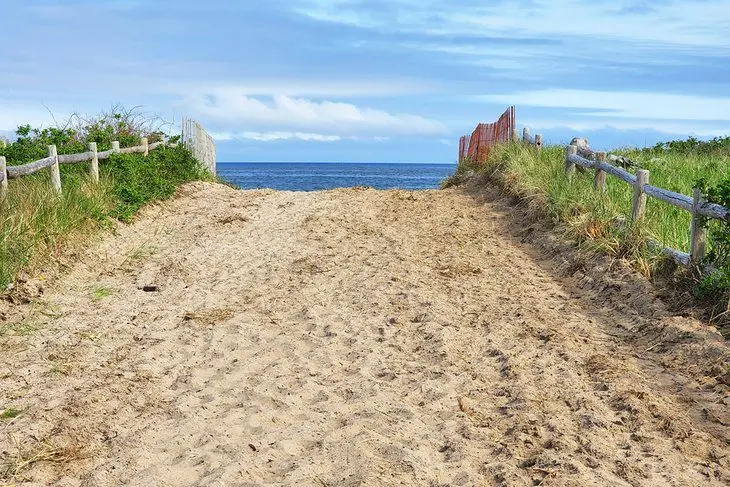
[(146, 146), (4, 182), (94, 165), (571, 150), (54, 169), (639, 207), (515, 135), (115, 146), (526, 135), (538, 142), (599, 180), (698, 231)]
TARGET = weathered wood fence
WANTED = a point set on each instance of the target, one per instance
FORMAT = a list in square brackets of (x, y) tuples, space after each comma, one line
[(696, 204), (200, 143), (476, 147), (54, 160), (535, 140)]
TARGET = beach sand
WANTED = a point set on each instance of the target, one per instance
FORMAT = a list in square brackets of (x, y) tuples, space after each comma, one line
[(354, 337)]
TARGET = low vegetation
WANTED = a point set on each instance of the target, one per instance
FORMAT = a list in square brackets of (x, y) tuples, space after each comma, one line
[(592, 218), (37, 226)]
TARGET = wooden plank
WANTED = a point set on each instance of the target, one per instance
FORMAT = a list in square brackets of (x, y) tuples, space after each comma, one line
[(94, 164), (54, 169), (30, 168), (599, 179), (104, 154), (618, 172), (131, 150), (712, 210), (698, 230), (570, 165), (670, 197), (639, 205), (75, 158), (3, 179), (681, 258), (526, 135), (580, 161)]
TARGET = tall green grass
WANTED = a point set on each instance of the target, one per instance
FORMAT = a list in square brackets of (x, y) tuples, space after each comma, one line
[(37, 226), (542, 178)]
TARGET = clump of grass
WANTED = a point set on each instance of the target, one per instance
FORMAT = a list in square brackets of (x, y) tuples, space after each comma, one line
[(542, 177), (37, 225), (14, 465), (599, 220), (464, 171), (136, 180), (101, 292), (10, 413)]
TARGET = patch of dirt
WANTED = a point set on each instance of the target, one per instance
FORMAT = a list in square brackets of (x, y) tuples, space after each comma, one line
[(356, 337)]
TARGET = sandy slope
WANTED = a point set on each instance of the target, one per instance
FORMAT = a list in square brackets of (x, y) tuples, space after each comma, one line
[(353, 337)]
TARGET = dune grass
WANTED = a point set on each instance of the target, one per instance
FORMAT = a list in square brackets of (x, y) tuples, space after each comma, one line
[(37, 226), (543, 174), (590, 216)]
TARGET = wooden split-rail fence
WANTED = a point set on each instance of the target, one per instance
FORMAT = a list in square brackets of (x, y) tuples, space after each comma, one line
[(54, 160), (696, 204), (476, 148)]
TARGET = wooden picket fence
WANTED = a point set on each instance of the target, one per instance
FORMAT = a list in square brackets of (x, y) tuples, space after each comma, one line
[(696, 204), (54, 160)]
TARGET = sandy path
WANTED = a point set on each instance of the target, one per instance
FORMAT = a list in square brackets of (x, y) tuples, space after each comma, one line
[(349, 337)]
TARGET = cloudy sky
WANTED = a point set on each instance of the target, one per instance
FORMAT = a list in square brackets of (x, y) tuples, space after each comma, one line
[(374, 80)]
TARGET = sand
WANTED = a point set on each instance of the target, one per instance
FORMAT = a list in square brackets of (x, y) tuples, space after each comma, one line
[(354, 337)]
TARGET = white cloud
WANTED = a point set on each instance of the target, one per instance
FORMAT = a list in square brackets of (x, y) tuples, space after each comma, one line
[(673, 23), (620, 104), (339, 88), (668, 127), (283, 112), (277, 136)]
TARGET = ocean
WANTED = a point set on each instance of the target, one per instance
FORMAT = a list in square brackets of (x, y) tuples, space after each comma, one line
[(316, 176)]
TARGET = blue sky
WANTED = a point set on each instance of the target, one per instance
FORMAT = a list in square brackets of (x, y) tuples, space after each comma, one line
[(374, 80)]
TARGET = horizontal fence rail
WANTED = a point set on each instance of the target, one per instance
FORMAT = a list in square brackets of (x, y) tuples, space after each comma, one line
[(701, 210), (53, 161), (194, 137)]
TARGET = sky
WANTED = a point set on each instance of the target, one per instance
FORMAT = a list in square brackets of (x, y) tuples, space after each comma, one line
[(373, 80)]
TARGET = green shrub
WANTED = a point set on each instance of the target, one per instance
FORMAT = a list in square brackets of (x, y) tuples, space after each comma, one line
[(137, 180), (37, 226), (718, 256)]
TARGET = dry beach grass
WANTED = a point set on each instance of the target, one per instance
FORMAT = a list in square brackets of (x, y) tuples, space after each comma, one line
[(354, 337)]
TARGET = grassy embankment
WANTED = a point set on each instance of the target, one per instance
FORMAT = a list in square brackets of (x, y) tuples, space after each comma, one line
[(37, 226), (590, 217)]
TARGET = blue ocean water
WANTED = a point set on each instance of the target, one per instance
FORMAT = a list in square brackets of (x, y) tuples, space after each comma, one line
[(315, 176)]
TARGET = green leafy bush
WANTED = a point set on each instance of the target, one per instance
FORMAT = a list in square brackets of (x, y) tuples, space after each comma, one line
[(137, 180), (118, 124), (37, 226), (719, 239), (716, 146)]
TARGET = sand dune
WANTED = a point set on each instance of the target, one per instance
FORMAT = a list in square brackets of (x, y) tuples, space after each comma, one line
[(353, 337)]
